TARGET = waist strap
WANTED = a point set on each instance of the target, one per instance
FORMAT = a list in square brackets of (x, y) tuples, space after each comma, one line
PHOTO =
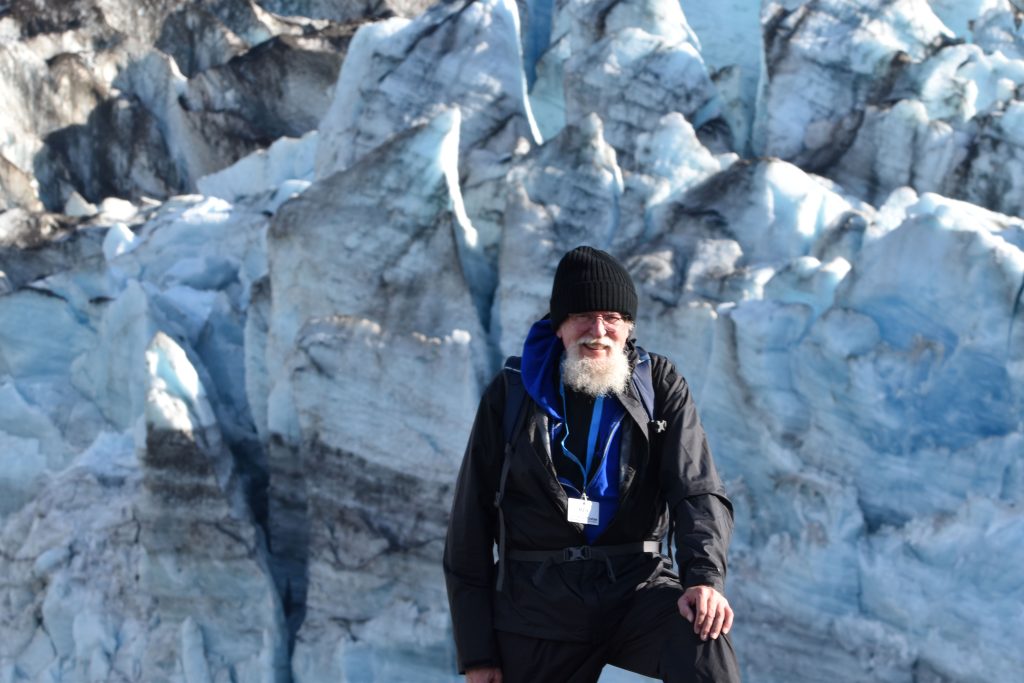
[(584, 552)]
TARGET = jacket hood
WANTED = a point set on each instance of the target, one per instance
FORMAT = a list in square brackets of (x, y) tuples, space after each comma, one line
[(542, 355), (541, 359)]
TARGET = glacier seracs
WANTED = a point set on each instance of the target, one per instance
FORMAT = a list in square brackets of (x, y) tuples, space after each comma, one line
[(216, 410)]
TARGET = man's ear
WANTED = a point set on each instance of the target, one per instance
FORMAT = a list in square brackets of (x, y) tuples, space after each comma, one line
[(560, 335)]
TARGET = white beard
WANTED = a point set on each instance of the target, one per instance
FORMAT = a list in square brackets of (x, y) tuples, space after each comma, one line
[(595, 376)]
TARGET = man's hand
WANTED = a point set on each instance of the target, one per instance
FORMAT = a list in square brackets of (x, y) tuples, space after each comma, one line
[(707, 610), (483, 675)]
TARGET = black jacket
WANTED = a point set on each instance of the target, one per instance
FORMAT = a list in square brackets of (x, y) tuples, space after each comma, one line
[(665, 471)]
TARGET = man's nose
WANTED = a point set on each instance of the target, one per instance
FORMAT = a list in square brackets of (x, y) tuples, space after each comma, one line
[(597, 326)]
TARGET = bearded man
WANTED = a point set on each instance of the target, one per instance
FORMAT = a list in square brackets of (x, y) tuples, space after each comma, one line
[(585, 453)]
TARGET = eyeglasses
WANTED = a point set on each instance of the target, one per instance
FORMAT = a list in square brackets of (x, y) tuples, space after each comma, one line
[(611, 320)]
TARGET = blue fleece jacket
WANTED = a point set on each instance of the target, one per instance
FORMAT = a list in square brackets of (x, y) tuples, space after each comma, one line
[(541, 372)]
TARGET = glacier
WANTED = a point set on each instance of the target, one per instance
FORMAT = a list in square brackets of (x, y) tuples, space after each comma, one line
[(259, 258)]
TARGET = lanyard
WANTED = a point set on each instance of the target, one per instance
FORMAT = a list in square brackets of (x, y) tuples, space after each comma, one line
[(595, 427)]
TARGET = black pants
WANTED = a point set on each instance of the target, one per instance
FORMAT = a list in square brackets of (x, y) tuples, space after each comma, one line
[(651, 639)]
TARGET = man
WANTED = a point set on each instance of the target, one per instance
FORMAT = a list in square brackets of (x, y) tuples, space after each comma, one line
[(578, 494)]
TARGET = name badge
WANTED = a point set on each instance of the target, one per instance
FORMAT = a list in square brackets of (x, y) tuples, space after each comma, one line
[(583, 511)]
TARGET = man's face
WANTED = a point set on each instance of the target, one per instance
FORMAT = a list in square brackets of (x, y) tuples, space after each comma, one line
[(596, 334)]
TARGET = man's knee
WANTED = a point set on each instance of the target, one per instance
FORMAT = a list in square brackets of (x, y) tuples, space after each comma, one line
[(528, 660), (685, 658)]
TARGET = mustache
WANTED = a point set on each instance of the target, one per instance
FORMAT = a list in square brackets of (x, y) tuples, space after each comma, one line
[(600, 341)]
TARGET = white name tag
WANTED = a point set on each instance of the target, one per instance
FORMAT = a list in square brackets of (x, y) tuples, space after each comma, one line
[(583, 511)]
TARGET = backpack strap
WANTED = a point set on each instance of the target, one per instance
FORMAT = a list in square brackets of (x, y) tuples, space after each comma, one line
[(643, 380), (515, 398), (515, 395), (644, 383)]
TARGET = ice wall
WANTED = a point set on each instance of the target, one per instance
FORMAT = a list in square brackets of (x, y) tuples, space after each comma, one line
[(230, 421)]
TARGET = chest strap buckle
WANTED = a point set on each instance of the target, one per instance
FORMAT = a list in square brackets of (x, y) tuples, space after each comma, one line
[(580, 552)]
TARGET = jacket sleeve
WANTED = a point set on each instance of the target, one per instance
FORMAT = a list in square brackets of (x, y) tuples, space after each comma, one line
[(701, 513), (469, 545)]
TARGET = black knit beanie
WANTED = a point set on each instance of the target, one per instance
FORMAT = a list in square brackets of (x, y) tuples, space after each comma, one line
[(589, 279)]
